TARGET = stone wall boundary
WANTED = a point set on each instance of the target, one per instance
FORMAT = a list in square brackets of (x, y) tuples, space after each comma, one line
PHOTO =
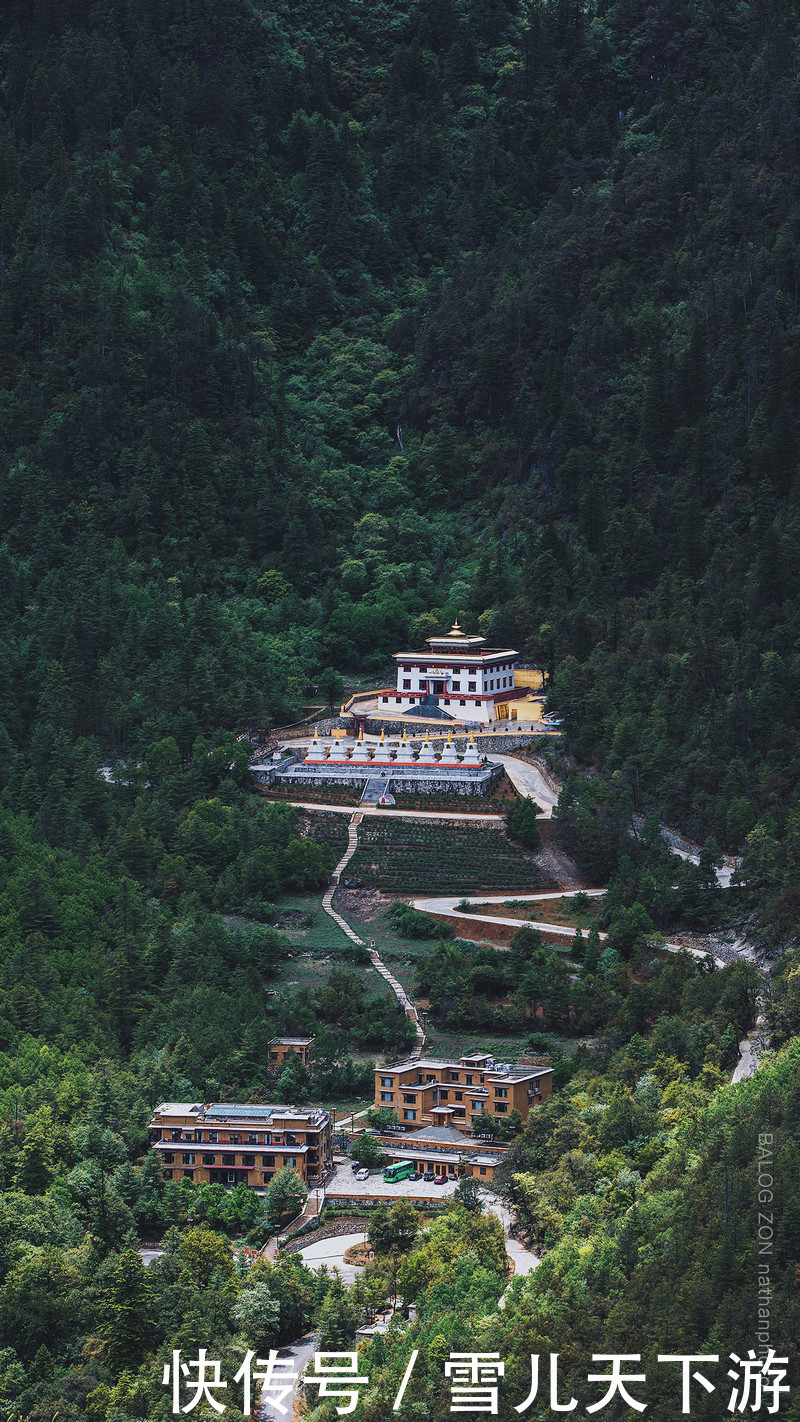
[(357, 1225), (486, 740), (429, 1201)]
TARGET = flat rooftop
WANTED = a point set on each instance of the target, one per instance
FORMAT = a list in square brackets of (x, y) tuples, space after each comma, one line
[(219, 1111), (178, 1108), (438, 1136), (225, 1148), (445, 1157), (508, 1073)]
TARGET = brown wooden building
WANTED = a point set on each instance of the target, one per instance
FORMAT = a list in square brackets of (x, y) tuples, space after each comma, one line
[(230, 1145), (456, 1093), (282, 1047)]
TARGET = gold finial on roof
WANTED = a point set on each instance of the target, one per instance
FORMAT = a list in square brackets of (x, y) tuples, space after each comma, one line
[(383, 733), (427, 734)]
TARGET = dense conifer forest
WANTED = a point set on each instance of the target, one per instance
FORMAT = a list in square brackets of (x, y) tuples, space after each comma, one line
[(320, 325)]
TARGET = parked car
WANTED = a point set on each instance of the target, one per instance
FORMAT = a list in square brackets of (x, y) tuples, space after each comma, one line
[(429, 1175), (440, 1179), (414, 1175), (363, 1174)]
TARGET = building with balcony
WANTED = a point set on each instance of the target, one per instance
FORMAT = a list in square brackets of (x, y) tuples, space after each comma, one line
[(438, 1104), (227, 1144), (455, 1094)]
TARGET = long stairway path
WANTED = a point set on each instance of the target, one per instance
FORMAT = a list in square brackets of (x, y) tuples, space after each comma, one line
[(327, 902), (380, 967)]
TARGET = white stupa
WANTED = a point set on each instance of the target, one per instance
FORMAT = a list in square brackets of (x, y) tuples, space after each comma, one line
[(426, 755), (382, 755), (449, 755), (338, 755), (405, 755), (360, 755), (316, 751), (472, 756)]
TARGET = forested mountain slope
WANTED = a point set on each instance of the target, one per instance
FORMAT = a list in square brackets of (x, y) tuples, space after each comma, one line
[(322, 323), (249, 251)]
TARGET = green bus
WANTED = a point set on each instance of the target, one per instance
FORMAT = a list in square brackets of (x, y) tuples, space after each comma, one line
[(400, 1170)]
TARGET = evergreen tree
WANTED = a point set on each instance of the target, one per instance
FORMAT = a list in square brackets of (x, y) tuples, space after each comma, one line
[(130, 1304)]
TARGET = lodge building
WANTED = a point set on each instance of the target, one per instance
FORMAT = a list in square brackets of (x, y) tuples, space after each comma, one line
[(439, 1103), (429, 1092), (230, 1145)]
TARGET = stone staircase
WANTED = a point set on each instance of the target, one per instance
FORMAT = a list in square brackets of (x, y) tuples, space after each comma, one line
[(327, 903), (376, 787)]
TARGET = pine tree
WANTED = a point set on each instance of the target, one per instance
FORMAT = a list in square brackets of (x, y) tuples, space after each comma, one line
[(130, 1303), (338, 1319)]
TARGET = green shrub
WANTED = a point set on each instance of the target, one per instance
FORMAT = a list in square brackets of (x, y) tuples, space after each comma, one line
[(409, 923), (521, 823)]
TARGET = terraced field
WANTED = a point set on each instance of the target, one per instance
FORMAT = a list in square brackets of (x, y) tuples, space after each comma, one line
[(325, 829), (496, 802), (415, 856)]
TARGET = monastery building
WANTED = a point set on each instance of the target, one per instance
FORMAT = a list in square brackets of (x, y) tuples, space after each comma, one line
[(459, 672)]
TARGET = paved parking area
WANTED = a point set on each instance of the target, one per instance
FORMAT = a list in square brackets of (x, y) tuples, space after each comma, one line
[(343, 1182)]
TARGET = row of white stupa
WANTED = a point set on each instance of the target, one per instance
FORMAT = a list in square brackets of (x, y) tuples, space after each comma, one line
[(332, 752)]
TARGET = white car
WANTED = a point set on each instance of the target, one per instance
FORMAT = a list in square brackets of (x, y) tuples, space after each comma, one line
[(363, 1175)]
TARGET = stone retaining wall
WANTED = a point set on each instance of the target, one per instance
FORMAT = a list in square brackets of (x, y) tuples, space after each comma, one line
[(502, 743), (388, 1200), (468, 781), (416, 785), (355, 1225), (487, 741)]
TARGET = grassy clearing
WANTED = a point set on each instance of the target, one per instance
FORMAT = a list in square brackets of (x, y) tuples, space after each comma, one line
[(415, 856), (311, 968), (399, 954), (543, 911), (318, 945), (503, 1049), (307, 924)]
